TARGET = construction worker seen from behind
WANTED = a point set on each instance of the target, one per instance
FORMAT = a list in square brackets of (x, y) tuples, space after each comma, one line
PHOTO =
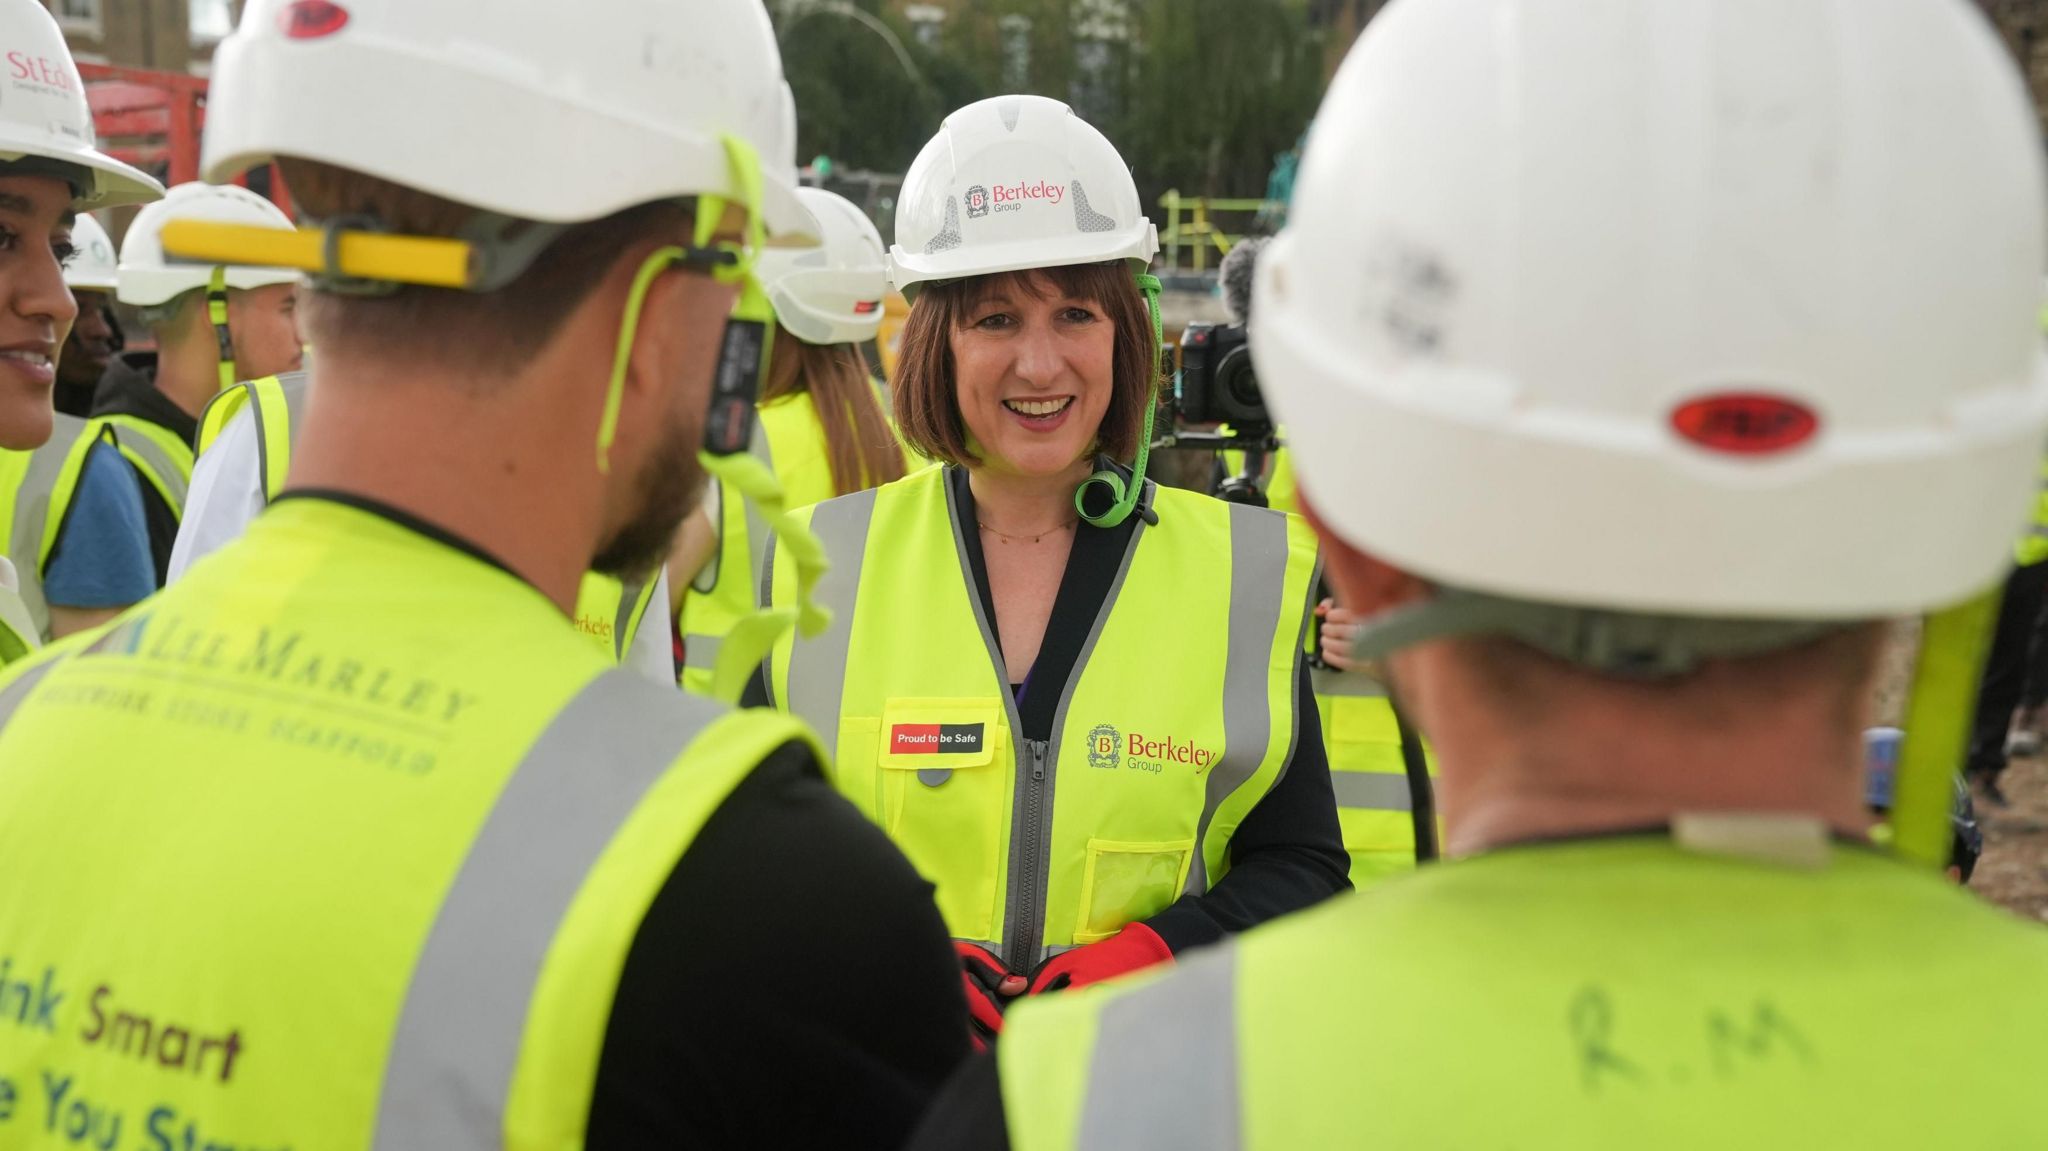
[(1661, 320), (96, 334), (423, 868), (50, 173), (821, 425), (212, 324), (1075, 699), (245, 451)]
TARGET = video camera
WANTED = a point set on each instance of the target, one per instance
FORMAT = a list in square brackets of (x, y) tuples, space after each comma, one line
[(1217, 385)]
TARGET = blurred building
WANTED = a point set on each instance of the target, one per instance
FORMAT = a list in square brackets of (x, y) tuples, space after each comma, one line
[(164, 35)]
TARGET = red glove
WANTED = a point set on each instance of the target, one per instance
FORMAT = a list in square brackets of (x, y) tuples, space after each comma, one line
[(1134, 948), (989, 986)]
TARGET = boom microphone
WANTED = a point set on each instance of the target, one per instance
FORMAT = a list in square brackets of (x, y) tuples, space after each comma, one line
[(1235, 274)]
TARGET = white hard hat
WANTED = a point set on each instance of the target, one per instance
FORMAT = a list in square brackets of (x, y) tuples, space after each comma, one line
[(517, 107), (832, 294), (147, 278), (45, 116), (1016, 182), (92, 267), (1716, 308)]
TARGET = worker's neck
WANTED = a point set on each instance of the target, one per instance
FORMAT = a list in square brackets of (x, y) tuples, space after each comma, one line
[(1595, 762), (188, 371), (485, 463)]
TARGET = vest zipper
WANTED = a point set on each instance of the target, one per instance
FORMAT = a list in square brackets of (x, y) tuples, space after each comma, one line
[(1029, 904)]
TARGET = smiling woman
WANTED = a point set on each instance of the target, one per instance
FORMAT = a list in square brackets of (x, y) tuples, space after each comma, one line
[(1084, 719), (49, 171)]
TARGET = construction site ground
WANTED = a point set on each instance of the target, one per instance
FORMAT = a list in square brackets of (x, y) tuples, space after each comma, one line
[(2014, 869)]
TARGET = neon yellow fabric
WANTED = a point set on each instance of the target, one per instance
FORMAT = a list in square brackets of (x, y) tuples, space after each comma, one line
[(36, 490), (2032, 548), (1362, 738), (1614, 994), (288, 757), (1142, 727), (17, 631), (161, 457), (794, 440)]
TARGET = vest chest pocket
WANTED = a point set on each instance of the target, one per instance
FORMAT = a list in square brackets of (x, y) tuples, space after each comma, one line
[(944, 768), (1125, 882)]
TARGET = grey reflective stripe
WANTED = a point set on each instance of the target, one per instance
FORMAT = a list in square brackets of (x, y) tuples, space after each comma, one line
[(622, 620), (1164, 1075), (11, 699), (817, 666), (700, 652), (1258, 573), (1372, 790), (32, 514), (1328, 681), (452, 1056), (176, 479)]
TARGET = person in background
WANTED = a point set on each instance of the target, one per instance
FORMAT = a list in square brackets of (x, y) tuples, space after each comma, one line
[(212, 325), (96, 335), (1074, 698), (51, 174), (821, 429)]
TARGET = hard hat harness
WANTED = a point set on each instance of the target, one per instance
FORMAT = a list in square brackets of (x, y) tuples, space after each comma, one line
[(1124, 497)]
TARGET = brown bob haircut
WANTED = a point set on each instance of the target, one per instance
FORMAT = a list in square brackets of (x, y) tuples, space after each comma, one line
[(927, 403)]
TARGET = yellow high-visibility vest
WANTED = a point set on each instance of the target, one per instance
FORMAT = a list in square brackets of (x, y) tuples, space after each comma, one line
[(1178, 719), (1609, 994), (341, 841), (36, 490), (1376, 801)]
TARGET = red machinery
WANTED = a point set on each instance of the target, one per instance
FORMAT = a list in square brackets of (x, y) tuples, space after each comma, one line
[(153, 120)]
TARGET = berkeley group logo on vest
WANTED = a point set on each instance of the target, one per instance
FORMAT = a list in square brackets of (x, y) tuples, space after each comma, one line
[(935, 738), (1109, 748)]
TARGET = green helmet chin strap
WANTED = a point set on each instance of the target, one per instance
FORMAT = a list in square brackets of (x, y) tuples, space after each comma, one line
[(217, 311), (1953, 644), (729, 429), (1124, 498)]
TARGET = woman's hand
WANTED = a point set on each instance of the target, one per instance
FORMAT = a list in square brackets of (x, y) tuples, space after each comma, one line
[(1338, 629)]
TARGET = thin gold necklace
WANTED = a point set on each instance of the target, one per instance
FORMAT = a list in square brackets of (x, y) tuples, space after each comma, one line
[(985, 526)]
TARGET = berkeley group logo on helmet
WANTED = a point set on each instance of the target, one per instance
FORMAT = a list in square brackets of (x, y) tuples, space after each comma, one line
[(1011, 197)]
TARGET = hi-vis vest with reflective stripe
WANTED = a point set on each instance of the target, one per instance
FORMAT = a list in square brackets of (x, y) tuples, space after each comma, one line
[(791, 441), (1178, 720), (1617, 994), (340, 842), (1375, 798), (161, 456), (18, 635), (608, 611), (36, 490), (2033, 547)]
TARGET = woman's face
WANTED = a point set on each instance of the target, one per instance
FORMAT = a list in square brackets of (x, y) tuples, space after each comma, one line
[(1033, 369), (36, 309)]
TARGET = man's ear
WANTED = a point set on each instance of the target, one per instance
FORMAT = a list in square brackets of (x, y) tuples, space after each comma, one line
[(1365, 584)]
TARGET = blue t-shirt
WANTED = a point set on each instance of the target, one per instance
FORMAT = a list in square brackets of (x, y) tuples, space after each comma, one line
[(102, 560)]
